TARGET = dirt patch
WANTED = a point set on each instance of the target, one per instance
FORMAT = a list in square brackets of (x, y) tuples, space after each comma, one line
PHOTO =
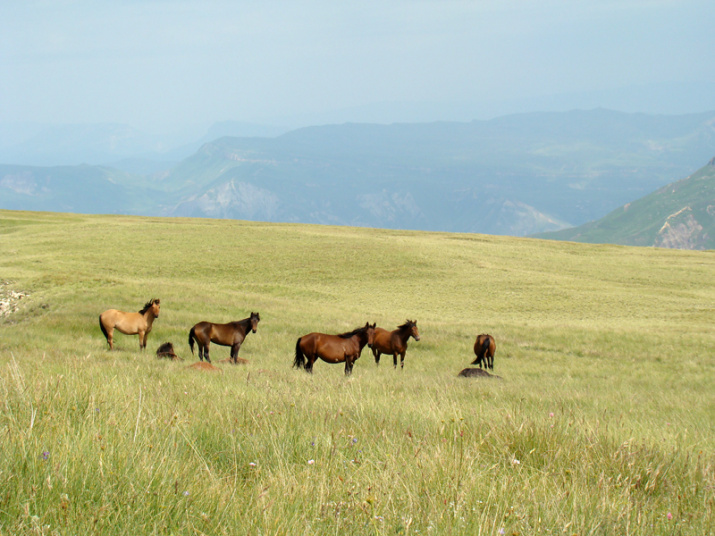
[(239, 361), (204, 366)]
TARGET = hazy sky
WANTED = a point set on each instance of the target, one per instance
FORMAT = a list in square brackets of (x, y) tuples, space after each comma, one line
[(150, 63)]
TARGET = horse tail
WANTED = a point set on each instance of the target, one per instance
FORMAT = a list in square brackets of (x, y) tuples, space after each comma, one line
[(299, 361), (104, 330), (485, 345), (191, 339)]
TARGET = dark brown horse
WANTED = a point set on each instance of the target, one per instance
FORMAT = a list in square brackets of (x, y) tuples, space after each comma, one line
[(129, 323), (484, 348), (394, 342), (231, 334), (332, 348)]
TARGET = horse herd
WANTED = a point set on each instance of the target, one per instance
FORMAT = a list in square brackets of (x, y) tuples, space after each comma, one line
[(344, 348)]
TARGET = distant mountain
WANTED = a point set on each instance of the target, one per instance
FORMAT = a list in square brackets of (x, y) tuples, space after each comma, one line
[(679, 215), (83, 189), (515, 175)]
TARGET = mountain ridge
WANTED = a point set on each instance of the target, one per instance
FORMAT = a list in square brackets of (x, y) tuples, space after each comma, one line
[(514, 175), (678, 215)]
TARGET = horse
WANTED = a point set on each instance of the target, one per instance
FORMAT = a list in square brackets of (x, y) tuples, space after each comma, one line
[(231, 334), (394, 342), (130, 323), (346, 348), (166, 350), (484, 348)]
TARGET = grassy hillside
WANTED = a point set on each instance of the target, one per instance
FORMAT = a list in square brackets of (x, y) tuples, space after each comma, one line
[(679, 215), (602, 423)]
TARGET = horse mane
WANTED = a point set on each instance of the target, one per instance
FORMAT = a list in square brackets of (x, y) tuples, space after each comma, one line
[(147, 306), (408, 324), (352, 333)]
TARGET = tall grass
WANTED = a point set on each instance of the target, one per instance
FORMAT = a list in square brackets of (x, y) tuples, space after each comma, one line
[(602, 424)]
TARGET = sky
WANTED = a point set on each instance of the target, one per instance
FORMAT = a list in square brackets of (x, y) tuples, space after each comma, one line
[(161, 64)]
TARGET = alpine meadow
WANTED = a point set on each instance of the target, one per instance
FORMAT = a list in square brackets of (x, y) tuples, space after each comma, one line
[(601, 421)]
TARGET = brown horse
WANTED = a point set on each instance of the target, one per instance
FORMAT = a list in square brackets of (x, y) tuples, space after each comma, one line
[(484, 348), (231, 334), (394, 342), (332, 348), (129, 323)]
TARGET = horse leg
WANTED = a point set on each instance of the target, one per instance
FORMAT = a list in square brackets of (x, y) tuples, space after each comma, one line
[(309, 364), (348, 365), (142, 340), (376, 354), (394, 360), (206, 353), (402, 360), (234, 353), (110, 338)]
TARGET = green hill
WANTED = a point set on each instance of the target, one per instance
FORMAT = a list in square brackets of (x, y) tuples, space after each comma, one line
[(679, 215), (601, 424)]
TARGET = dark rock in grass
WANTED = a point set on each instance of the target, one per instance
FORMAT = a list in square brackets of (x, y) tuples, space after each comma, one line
[(477, 373), (166, 350)]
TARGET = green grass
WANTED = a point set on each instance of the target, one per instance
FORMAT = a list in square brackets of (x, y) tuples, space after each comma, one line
[(607, 401)]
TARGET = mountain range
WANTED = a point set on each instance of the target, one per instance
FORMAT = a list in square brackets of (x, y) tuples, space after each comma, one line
[(679, 215), (513, 175)]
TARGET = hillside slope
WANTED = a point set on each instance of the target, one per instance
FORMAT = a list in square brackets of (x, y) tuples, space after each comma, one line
[(679, 215), (602, 422)]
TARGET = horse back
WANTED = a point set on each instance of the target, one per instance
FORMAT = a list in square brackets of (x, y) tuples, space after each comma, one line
[(382, 341), (127, 323), (485, 346), (331, 348)]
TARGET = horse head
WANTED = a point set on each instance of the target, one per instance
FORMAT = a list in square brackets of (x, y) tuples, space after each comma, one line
[(155, 307), (413, 329), (152, 305), (370, 333), (255, 318)]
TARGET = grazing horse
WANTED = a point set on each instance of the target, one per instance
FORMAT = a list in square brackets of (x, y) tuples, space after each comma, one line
[(231, 334), (129, 323), (332, 348), (394, 342), (484, 348)]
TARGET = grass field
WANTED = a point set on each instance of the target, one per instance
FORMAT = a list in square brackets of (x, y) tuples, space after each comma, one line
[(604, 422)]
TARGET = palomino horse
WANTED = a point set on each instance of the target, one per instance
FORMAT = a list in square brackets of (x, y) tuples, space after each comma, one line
[(333, 348), (231, 334), (129, 323), (484, 348), (394, 342)]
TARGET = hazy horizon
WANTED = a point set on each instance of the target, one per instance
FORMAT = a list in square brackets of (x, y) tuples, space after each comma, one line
[(160, 65)]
